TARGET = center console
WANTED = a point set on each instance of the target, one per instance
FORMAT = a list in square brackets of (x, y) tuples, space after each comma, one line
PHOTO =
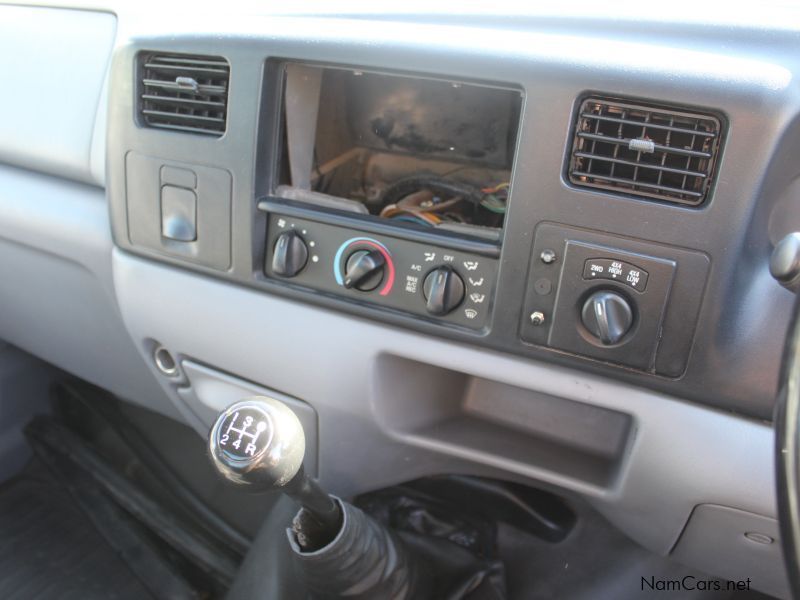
[(390, 190), (387, 194), (458, 206)]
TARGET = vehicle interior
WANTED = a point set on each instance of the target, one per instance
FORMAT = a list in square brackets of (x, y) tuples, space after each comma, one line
[(408, 301)]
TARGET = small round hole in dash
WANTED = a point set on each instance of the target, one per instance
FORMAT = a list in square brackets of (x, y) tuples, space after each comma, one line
[(165, 362)]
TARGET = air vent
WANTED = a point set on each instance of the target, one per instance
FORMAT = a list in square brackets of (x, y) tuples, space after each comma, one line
[(645, 151), (184, 92)]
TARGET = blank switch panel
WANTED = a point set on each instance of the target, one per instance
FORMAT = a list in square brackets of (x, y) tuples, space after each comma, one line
[(183, 178), (179, 209)]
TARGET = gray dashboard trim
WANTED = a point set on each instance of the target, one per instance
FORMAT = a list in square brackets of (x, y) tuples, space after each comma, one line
[(681, 455), (736, 352), (57, 294), (55, 74), (771, 15)]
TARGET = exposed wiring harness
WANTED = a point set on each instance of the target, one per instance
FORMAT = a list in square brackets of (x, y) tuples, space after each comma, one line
[(430, 200), (495, 198), (441, 188)]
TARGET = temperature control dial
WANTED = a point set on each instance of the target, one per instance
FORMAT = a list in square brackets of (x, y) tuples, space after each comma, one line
[(364, 270), (444, 291)]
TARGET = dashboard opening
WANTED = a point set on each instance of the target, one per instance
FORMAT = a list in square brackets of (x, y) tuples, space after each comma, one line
[(425, 152)]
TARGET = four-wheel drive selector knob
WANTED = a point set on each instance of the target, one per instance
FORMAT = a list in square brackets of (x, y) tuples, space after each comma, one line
[(608, 316), (290, 254), (444, 291)]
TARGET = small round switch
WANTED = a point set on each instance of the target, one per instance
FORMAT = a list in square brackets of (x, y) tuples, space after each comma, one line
[(608, 316), (364, 270), (443, 290), (290, 254)]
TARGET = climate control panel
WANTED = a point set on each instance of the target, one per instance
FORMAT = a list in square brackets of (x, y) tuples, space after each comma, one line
[(425, 278)]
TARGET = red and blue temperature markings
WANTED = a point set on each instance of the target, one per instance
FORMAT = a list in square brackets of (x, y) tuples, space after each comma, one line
[(369, 243)]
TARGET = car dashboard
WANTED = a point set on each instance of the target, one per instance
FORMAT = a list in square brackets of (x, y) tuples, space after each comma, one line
[(528, 244)]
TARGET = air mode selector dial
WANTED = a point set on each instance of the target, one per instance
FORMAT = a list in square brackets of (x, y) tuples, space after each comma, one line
[(444, 291), (608, 316)]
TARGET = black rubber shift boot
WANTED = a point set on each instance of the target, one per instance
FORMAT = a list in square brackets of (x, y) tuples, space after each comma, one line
[(365, 561)]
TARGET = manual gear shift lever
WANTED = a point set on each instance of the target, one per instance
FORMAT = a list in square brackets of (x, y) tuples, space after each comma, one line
[(259, 443), (338, 550)]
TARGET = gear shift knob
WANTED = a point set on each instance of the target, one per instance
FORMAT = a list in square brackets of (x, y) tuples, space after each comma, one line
[(258, 442), (340, 551)]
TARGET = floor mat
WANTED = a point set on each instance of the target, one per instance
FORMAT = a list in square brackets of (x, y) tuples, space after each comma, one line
[(49, 549)]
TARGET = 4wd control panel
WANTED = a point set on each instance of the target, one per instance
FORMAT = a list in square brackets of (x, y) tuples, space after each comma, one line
[(614, 299)]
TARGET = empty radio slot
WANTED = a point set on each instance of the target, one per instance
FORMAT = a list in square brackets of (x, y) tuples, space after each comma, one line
[(422, 152)]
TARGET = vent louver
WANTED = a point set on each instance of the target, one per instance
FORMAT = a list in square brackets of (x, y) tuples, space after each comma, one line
[(645, 151), (184, 92)]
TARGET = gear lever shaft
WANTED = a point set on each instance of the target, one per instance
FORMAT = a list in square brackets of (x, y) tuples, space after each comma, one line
[(259, 443)]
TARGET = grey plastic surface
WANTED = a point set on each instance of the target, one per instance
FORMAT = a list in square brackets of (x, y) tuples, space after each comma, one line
[(736, 545), (681, 454), (210, 392), (54, 72), (583, 427), (517, 427), (56, 294)]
